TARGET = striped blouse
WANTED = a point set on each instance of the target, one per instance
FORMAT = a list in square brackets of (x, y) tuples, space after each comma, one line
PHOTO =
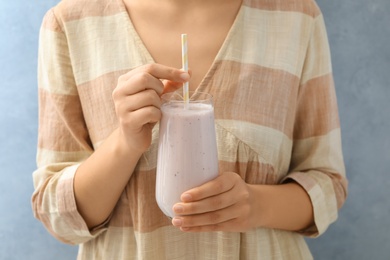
[(276, 120)]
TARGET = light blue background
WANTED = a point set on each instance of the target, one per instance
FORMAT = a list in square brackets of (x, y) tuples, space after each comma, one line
[(359, 34)]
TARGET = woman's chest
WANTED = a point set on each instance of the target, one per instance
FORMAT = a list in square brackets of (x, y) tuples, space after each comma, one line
[(206, 26)]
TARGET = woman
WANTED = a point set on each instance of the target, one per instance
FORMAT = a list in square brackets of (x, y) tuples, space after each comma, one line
[(103, 65)]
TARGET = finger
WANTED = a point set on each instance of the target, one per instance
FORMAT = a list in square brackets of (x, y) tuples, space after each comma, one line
[(140, 100), (221, 184), (227, 226), (207, 219), (138, 82), (213, 203), (170, 86), (140, 117), (160, 71)]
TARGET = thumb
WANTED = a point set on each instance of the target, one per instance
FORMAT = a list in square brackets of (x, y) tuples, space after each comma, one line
[(170, 86)]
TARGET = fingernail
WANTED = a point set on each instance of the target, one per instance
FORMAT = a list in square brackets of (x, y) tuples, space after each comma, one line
[(186, 197), (177, 222), (185, 76), (178, 208)]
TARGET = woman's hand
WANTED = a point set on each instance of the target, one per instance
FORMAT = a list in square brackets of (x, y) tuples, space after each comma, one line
[(223, 204), (137, 101)]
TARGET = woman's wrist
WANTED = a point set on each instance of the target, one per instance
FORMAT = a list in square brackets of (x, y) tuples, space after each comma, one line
[(123, 148), (285, 206)]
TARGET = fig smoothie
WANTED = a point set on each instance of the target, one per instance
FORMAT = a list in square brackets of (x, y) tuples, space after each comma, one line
[(187, 151)]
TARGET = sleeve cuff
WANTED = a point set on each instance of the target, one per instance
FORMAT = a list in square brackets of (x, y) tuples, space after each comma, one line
[(319, 187), (78, 231)]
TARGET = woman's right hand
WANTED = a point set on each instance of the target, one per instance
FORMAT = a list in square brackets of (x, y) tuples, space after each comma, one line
[(137, 101)]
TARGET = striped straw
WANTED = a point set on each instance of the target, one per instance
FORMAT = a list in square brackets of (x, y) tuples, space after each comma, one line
[(184, 58)]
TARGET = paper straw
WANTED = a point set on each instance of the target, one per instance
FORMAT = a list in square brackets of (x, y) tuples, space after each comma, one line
[(184, 58)]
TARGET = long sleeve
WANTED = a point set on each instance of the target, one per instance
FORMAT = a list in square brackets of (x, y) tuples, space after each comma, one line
[(63, 140), (317, 160)]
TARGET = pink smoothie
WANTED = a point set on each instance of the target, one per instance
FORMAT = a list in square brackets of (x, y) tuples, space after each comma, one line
[(187, 152)]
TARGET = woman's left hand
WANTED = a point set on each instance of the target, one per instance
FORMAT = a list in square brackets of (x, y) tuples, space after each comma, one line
[(223, 204)]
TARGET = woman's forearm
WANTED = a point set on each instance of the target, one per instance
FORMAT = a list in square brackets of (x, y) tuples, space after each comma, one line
[(101, 179), (285, 206)]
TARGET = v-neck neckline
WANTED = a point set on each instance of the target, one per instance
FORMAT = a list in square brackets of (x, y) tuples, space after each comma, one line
[(220, 54)]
